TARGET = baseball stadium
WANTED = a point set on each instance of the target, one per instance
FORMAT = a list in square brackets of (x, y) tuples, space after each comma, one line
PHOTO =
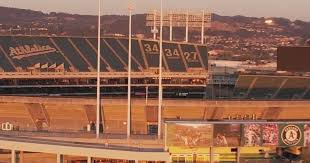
[(208, 114)]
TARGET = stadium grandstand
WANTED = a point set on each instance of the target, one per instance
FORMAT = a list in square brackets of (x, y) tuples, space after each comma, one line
[(48, 85), (42, 65), (70, 62)]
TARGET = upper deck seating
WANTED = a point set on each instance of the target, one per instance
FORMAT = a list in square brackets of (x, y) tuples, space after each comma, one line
[(151, 51), (24, 41), (8, 44), (67, 48), (242, 85), (24, 53), (204, 55), (122, 53), (53, 57), (107, 54), (89, 52), (265, 87), (173, 57), (191, 56), (136, 50), (4, 61), (293, 88), (272, 87)]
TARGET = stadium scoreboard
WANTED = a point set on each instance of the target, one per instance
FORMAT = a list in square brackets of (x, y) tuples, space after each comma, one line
[(293, 59), (179, 19)]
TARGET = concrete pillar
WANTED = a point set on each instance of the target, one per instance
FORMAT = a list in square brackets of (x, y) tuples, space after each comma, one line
[(60, 158), (89, 160), (13, 156), (21, 157)]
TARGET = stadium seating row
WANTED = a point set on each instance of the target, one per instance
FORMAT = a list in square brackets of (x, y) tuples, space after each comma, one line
[(272, 87), (24, 53)]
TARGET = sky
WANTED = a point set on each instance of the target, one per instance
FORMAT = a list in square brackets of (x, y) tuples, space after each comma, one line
[(292, 9)]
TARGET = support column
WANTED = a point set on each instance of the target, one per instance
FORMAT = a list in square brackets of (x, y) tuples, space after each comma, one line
[(13, 156), (211, 155), (21, 157), (146, 95), (89, 160), (60, 158)]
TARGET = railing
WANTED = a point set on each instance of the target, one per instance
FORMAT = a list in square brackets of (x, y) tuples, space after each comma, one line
[(135, 143), (49, 75)]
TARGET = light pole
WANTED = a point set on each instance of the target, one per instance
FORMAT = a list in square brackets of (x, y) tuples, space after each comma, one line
[(170, 24), (154, 30), (98, 72), (203, 27), (130, 8), (160, 89), (186, 28)]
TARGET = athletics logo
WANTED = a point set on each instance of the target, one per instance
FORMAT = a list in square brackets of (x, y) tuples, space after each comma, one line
[(291, 135), (30, 50)]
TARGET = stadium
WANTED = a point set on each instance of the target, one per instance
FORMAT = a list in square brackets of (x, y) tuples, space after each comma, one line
[(48, 88)]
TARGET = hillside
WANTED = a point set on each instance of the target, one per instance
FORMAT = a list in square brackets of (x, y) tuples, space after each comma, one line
[(73, 24), (229, 35)]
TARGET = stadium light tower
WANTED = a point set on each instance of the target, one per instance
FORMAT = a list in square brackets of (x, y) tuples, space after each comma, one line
[(98, 72), (160, 88), (187, 26), (130, 8), (203, 27)]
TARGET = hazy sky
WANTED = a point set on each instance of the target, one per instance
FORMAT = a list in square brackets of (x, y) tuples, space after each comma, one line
[(293, 9)]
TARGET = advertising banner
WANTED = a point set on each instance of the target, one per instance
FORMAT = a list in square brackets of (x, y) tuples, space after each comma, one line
[(226, 135), (291, 135), (270, 134), (189, 135), (307, 135), (252, 135)]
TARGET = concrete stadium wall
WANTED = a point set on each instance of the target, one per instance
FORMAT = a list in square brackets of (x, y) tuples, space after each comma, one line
[(73, 114)]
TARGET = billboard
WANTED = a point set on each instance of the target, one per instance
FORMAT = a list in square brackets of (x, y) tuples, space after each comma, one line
[(291, 135), (293, 59), (252, 135), (270, 134), (226, 135), (307, 135), (199, 136), (189, 135)]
